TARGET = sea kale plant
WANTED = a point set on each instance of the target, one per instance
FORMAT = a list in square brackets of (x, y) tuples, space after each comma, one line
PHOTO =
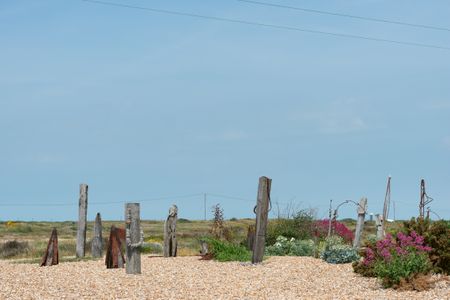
[(336, 251), (284, 246), (395, 259)]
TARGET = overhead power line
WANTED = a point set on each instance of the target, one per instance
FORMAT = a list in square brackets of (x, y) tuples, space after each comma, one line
[(98, 203), (322, 12), (266, 25)]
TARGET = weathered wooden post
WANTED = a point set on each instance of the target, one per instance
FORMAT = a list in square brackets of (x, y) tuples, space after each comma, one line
[(262, 212), (51, 256), (97, 241), (379, 224), (170, 237), (82, 216), (134, 238), (362, 208)]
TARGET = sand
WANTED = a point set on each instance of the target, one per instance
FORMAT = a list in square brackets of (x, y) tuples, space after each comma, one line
[(190, 278)]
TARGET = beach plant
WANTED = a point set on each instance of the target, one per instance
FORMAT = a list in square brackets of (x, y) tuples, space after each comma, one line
[(395, 259), (226, 251), (300, 226), (436, 234), (339, 229), (336, 251), (284, 246)]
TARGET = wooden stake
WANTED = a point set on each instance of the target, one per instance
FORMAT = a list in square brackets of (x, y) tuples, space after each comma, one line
[(262, 212), (170, 237), (134, 238), (362, 208), (97, 240), (82, 215), (51, 256), (379, 223)]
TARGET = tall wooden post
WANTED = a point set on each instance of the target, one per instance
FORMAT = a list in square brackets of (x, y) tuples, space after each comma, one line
[(97, 241), (82, 215), (170, 233), (262, 212), (362, 208), (134, 238), (379, 223)]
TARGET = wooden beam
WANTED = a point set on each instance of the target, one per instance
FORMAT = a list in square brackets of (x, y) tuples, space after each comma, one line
[(97, 240), (82, 216), (134, 238), (361, 210), (262, 213)]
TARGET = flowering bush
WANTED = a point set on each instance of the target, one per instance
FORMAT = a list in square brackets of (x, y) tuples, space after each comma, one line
[(393, 259), (284, 246), (401, 267), (436, 235), (336, 252), (339, 229)]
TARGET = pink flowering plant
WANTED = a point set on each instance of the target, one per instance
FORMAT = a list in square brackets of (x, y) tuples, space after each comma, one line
[(337, 227), (395, 258)]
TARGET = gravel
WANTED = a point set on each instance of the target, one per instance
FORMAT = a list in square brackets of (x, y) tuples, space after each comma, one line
[(190, 278)]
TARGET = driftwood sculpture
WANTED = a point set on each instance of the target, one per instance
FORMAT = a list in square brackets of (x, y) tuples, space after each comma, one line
[(114, 253), (51, 257), (170, 237)]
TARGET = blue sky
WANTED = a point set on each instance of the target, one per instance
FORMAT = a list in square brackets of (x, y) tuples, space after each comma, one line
[(142, 105)]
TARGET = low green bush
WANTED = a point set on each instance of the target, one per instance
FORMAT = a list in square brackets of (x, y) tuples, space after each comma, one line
[(300, 227), (401, 268), (337, 252), (226, 251), (151, 248), (284, 246), (13, 248), (436, 235)]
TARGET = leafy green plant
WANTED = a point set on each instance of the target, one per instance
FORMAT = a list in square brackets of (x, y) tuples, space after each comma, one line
[(300, 227), (151, 248), (13, 248), (399, 259), (436, 235), (284, 246), (337, 252), (226, 251), (401, 267)]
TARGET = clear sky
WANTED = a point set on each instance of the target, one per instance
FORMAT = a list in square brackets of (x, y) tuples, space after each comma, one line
[(143, 105)]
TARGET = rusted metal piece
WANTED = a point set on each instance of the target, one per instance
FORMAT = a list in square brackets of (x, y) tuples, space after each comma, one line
[(114, 254), (51, 256)]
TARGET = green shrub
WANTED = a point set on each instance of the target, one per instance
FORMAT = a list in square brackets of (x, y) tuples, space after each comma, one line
[(336, 252), (226, 251), (183, 220), (13, 248), (300, 227), (437, 236), (399, 268), (151, 248), (284, 246), (303, 248)]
